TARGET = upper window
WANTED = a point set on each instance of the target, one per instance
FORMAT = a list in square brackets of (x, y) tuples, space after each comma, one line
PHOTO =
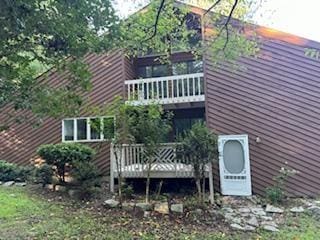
[(87, 129), (178, 68)]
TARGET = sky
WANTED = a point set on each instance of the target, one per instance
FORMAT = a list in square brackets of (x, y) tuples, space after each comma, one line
[(299, 17)]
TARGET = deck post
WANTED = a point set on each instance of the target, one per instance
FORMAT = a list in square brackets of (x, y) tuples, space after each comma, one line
[(211, 196), (112, 160)]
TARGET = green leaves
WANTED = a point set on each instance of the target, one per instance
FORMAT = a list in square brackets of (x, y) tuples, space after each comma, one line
[(36, 35)]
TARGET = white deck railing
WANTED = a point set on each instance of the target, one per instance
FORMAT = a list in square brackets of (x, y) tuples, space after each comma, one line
[(164, 164), (166, 90)]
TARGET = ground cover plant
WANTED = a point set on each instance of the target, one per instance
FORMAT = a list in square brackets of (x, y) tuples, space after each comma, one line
[(35, 213)]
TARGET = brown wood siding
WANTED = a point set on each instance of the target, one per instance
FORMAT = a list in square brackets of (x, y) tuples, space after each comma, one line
[(276, 97), (19, 143)]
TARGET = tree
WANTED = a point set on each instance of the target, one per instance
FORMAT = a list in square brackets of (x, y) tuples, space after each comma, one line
[(37, 35), (149, 126), (199, 148), (117, 132)]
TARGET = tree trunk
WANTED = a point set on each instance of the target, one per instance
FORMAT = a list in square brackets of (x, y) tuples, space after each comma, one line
[(198, 184), (148, 181)]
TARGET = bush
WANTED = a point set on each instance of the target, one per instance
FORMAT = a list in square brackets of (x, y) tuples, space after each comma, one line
[(44, 174), (14, 172), (87, 176), (62, 154), (8, 171), (277, 192)]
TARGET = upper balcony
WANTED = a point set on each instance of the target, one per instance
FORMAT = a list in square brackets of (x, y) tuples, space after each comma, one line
[(188, 88)]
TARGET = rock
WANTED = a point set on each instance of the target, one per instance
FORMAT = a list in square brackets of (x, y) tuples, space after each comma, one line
[(266, 218), (8, 184), (244, 210), (253, 221), (269, 223), (146, 214), (227, 209), (128, 206), (229, 216), (273, 209), (177, 208), (60, 188), (315, 211), (161, 208), (145, 206), (236, 220), (20, 184), (0, 183), (12, 195), (297, 210), (249, 228), (111, 203), (270, 228), (236, 226), (317, 202), (258, 211)]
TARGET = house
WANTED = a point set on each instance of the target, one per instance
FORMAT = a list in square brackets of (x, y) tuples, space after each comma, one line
[(267, 113)]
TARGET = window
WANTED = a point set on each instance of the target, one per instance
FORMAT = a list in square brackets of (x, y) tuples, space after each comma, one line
[(153, 71), (88, 129), (180, 68)]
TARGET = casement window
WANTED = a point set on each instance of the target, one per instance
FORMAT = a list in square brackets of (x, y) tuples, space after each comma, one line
[(87, 129)]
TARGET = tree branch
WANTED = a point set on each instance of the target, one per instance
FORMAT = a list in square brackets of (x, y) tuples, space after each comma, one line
[(212, 6), (155, 26)]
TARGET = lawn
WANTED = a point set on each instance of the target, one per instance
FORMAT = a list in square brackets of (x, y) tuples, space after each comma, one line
[(26, 213)]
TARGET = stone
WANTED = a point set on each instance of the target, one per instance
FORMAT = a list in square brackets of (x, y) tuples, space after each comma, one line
[(161, 208), (8, 184), (253, 221), (145, 206), (227, 209), (297, 210), (270, 228), (273, 209), (0, 183), (266, 218), (249, 228), (111, 203), (258, 211), (244, 210), (229, 216), (128, 206), (146, 214), (12, 195), (236, 226), (315, 211), (60, 188), (20, 184), (236, 220), (269, 223), (177, 208)]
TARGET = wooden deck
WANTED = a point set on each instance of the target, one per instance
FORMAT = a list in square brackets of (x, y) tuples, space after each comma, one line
[(165, 164)]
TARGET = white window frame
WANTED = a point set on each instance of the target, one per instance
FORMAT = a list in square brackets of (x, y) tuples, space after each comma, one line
[(75, 129)]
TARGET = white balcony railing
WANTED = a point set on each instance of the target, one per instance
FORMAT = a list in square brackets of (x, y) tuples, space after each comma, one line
[(166, 90)]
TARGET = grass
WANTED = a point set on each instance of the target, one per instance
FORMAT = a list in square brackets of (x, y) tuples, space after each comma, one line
[(25, 214)]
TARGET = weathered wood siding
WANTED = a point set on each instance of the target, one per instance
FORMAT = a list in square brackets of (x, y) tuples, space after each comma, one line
[(275, 97), (19, 143)]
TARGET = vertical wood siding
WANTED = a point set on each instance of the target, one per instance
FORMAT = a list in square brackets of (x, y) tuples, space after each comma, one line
[(19, 143), (276, 97)]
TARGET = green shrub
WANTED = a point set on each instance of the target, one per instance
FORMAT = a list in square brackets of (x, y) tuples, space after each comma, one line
[(127, 190), (14, 172), (62, 154), (8, 171), (277, 192), (86, 175), (44, 174)]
